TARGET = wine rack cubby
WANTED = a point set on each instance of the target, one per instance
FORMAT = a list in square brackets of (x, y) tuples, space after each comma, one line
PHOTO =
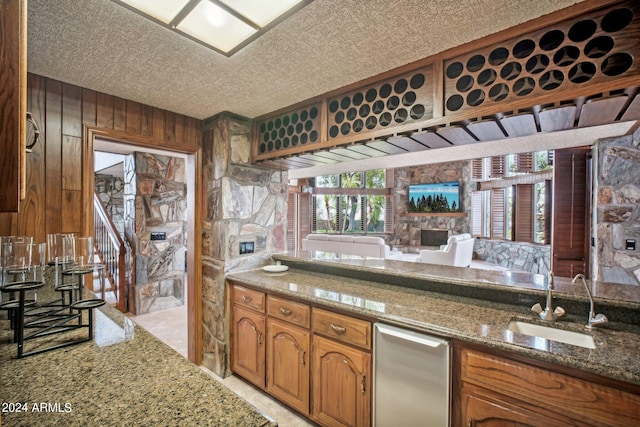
[(590, 49), (401, 99)]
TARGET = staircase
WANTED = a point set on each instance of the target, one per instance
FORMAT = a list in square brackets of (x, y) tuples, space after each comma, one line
[(115, 254)]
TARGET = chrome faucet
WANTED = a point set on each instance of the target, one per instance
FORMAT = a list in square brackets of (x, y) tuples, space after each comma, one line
[(594, 319), (548, 314)]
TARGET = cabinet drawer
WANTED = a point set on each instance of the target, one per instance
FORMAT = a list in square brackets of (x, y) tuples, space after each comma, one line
[(293, 312), (249, 298), (570, 396), (342, 328)]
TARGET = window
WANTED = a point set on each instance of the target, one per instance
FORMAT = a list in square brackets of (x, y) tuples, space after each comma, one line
[(512, 201), (352, 202)]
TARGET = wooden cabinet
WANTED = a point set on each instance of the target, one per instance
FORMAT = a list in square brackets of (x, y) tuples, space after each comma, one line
[(288, 355), (341, 373), (483, 409), (341, 384), (13, 101), (248, 298), (248, 349), (288, 364), (281, 359), (342, 328), (497, 391), (289, 311)]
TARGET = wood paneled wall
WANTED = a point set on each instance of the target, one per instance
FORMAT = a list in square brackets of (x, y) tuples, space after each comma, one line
[(54, 184)]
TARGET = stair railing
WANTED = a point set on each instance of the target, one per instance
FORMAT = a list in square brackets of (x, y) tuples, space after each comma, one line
[(113, 253)]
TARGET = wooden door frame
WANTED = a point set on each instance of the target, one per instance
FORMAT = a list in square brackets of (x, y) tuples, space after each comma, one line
[(194, 201)]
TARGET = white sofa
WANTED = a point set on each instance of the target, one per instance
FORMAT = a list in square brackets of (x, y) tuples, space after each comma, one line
[(367, 246), (457, 252)]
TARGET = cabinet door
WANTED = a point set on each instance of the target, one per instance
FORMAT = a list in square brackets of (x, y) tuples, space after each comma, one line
[(13, 98), (288, 364), (341, 384), (248, 349)]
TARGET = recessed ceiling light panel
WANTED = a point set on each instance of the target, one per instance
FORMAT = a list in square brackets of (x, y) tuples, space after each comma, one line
[(261, 12), (215, 26), (225, 26), (163, 10)]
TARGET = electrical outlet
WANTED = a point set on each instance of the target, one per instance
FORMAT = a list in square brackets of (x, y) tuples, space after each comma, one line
[(246, 248)]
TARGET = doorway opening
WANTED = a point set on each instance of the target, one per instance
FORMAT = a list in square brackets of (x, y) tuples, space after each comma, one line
[(165, 302)]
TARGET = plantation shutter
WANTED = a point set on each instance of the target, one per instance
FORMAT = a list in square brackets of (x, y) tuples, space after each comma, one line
[(525, 213), (548, 210), (388, 215), (498, 213), (524, 162), (306, 216), (476, 169), (477, 213), (389, 178), (363, 214), (498, 166), (291, 220)]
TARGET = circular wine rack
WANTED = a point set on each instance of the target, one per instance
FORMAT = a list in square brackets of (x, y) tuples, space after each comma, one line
[(592, 49), (399, 100), (297, 128)]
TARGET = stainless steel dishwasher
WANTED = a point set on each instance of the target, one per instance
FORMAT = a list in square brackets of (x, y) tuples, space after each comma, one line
[(411, 378)]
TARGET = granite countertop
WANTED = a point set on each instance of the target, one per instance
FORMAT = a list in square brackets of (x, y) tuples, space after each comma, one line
[(467, 318), (125, 376)]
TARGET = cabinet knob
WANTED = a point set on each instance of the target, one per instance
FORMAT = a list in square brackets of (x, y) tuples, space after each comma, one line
[(246, 298)]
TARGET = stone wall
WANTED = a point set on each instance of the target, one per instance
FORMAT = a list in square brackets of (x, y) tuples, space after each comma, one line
[(156, 186), (514, 255), (110, 189), (406, 229), (617, 208), (243, 203)]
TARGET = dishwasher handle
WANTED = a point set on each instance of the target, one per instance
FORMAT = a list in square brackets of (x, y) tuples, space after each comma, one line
[(410, 336)]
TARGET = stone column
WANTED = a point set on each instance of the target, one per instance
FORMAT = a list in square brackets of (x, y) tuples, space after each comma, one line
[(156, 214), (243, 203), (617, 209)]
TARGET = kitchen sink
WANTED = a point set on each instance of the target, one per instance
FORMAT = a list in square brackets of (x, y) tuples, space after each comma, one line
[(551, 333)]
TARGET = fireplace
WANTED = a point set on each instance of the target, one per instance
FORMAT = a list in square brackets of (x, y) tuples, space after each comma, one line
[(433, 237)]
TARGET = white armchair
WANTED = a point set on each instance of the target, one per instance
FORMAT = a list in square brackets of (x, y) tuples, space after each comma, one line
[(457, 252)]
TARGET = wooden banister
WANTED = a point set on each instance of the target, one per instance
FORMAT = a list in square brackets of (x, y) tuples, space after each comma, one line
[(113, 253)]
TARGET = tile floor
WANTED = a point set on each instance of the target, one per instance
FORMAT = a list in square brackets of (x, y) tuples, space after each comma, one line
[(170, 326)]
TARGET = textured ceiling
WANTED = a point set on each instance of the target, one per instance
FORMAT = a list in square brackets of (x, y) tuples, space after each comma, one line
[(328, 44)]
